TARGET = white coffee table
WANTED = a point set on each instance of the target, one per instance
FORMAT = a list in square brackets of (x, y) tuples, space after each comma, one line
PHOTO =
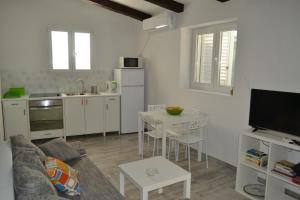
[(168, 174)]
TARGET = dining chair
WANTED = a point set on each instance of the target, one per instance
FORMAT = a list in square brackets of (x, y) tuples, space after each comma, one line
[(154, 129), (187, 134)]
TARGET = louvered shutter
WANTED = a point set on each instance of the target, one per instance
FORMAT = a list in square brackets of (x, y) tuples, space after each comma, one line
[(204, 58), (226, 59)]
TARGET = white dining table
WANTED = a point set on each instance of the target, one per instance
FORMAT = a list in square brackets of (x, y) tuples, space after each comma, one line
[(166, 120)]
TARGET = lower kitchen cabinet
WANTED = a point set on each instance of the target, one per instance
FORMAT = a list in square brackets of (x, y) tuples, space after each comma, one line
[(74, 116), (112, 114), (15, 115), (94, 114), (84, 115)]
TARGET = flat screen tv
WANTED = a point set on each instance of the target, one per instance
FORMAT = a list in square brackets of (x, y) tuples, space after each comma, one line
[(274, 110)]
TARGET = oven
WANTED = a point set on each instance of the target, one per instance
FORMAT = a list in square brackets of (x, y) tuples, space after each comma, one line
[(46, 114)]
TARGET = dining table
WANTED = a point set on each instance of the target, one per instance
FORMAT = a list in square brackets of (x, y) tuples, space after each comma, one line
[(166, 120)]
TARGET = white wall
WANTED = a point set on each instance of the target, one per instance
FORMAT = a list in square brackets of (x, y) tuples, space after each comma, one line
[(267, 57), (24, 41)]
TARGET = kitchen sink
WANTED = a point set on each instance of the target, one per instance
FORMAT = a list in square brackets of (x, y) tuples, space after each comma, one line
[(78, 94)]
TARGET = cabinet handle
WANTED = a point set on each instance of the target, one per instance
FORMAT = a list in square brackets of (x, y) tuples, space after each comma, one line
[(82, 102), (112, 99), (14, 104), (106, 106), (86, 101), (24, 112)]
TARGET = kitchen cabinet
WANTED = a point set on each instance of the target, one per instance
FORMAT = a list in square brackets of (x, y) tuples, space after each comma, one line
[(84, 115), (94, 114), (74, 116), (15, 118), (112, 113)]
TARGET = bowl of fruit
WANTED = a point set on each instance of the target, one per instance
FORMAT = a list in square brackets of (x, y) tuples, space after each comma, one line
[(174, 110)]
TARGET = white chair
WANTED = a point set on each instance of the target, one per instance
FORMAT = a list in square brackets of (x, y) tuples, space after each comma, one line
[(154, 108), (188, 134), (154, 127)]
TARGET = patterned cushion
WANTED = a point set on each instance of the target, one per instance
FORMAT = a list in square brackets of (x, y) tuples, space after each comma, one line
[(62, 176)]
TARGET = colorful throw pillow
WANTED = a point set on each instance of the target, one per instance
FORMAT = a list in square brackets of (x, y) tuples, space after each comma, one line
[(63, 177)]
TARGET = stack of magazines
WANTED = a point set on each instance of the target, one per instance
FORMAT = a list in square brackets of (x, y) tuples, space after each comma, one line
[(256, 157), (285, 168)]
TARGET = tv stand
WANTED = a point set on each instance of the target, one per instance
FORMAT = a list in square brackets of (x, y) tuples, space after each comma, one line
[(278, 187)]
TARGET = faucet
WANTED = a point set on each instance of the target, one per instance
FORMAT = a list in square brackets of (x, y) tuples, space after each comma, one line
[(82, 85)]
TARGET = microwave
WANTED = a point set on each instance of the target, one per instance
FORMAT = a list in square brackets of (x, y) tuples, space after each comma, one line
[(131, 62)]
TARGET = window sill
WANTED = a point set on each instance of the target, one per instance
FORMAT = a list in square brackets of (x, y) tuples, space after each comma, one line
[(208, 92)]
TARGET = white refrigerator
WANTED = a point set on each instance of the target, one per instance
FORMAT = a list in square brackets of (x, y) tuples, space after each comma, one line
[(131, 87)]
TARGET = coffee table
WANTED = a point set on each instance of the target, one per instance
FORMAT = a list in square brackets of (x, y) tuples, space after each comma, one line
[(154, 173)]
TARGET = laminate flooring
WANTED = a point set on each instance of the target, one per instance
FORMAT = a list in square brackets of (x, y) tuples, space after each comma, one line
[(215, 183)]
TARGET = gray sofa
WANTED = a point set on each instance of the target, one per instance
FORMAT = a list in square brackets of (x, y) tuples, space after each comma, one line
[(93, 184)]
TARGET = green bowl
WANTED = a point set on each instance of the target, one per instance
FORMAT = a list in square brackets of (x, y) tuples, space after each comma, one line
[(174, 110)]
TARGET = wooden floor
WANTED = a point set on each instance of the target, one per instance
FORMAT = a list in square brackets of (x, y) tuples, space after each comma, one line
[(215, 183)]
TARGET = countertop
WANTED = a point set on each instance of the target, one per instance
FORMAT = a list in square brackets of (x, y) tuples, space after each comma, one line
[(64, 95)]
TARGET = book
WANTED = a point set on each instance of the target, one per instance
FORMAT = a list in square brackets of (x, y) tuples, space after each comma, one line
[(296, 180), (285, 163), (256, 152), (283, 173)]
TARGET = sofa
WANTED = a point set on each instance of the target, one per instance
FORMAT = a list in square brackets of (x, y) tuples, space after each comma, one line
[(20, 167)]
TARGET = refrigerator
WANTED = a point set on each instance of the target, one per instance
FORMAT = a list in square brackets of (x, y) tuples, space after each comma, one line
[(1, 116), (131, 87)]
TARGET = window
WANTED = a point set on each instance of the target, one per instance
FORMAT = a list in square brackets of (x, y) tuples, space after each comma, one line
[(214, 58), (63, 42)]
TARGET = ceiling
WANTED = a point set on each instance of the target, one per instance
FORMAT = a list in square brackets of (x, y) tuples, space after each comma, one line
[(146, 6)]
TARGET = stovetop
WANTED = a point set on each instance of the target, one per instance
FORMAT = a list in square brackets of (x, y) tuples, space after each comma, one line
[(36, 95)]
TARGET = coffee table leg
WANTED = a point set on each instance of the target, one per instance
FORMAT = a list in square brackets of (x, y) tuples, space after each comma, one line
[(122, 184), (187, 188), (144, 194)]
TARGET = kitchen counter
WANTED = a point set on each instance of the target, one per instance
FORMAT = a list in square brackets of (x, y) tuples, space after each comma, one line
[(64, 95)]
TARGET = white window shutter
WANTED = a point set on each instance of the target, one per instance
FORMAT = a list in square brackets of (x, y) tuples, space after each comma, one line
[(226, 59), (204, 58)]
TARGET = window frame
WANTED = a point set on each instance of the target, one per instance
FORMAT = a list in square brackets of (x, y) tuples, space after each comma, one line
[(71, 48), (214, 86)]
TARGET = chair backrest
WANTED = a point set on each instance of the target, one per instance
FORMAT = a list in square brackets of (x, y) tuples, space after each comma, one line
[(159, 107), (200, 121)]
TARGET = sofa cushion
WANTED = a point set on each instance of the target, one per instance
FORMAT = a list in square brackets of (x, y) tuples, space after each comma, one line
[(93, 183), (59, 149), (31, 160), (41, 197), (29, 181), (77, 145), (63, 177), (19, 144)]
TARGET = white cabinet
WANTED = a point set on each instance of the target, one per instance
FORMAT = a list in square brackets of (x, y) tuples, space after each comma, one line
[(15, 118), (278, 186), (84, 115), (112, 114), (74, 116), (94, 114)]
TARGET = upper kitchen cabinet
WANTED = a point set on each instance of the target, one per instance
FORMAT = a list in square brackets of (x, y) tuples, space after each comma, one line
[(15, 118), (84, 115), (112, 113)]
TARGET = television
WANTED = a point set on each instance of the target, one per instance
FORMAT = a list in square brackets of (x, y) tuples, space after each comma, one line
[(274, 110)]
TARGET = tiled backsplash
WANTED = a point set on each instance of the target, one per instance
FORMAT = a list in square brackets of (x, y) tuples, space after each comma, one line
[(51, 81)]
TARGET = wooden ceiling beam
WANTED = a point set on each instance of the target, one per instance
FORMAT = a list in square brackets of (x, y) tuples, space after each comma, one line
[(169, 4), (122, 9), (223, 1)]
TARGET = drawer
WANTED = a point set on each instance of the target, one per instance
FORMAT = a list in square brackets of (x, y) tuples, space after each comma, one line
[(13, 104), (35, 135)]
